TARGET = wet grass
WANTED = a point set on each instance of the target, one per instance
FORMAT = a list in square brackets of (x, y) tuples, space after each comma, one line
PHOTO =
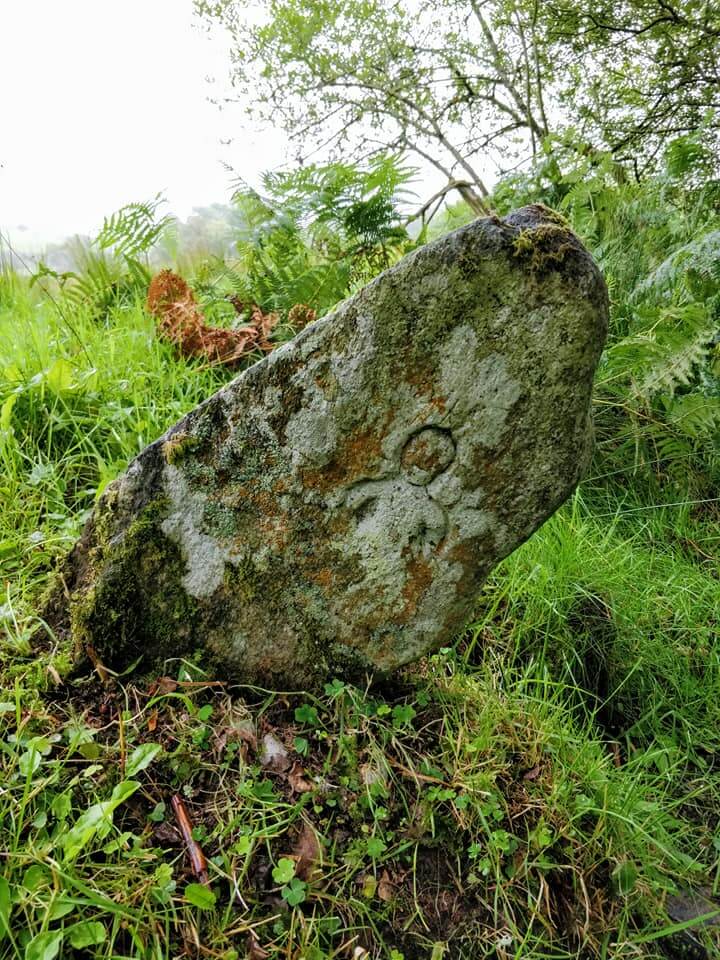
[(537, 790)]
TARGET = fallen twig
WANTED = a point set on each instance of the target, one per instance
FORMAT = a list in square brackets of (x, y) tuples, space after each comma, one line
[(197, 857)]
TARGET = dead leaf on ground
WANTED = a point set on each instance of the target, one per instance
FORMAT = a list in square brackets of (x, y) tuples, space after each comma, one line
[(244, 730), (255, 951), (299, 783), (166, 833), (301, 315), (181, 321), (194, 851), (56, 678), (370, 774), (162, 686), (307, 852), (385, 887)]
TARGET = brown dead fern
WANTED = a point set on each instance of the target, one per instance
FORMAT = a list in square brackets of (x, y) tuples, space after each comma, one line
[(300, 316), (181, 321)]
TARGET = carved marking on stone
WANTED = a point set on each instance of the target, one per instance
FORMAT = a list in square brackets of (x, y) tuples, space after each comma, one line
[(427, 453)]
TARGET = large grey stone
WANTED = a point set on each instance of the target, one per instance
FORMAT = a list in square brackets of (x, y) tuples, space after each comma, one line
[(336, 507)]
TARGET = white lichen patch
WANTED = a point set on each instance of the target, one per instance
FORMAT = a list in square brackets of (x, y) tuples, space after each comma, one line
[(312, 434), (480, 390), (204, 557)]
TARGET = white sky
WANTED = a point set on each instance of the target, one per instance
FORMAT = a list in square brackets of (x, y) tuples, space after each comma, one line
[(106, 102)]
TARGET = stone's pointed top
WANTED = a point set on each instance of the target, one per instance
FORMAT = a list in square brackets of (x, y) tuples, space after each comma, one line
[(335, 509)]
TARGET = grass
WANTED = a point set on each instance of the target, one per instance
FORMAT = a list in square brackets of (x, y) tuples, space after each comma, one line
[(535, 791)]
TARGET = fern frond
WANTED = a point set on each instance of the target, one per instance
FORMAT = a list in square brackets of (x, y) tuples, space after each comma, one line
[(695, 415), (134, 228), (662, 358), (697, 262)]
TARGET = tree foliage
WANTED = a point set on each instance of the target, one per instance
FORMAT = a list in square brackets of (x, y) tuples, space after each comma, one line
[(639, 73), (446, 80), (469, 85)]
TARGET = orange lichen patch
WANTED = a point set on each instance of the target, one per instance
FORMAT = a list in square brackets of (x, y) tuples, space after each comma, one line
[(370, 620), (180, 320), (280, 486), (324, 577), (338, 525), (425, 386), (354, 460), (419, 578), (275, 534), (264, 501)]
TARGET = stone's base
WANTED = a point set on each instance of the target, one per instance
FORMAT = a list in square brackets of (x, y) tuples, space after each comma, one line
[(335, 509), (701, 939)]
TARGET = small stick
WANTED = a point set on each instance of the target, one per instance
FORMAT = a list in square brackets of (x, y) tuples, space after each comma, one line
[(121, 741), (197, 857)]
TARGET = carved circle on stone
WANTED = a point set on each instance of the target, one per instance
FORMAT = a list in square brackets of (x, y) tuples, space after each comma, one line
[(427, 453)]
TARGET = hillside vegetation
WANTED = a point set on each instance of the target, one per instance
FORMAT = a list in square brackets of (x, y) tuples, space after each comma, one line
[(539, 790)]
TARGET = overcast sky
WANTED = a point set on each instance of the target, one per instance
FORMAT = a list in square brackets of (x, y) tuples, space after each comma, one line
[(106, 102)]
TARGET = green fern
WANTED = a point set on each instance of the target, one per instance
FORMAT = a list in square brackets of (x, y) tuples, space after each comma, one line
[(663, 357), (317, 233), (658, 244), (113, 270), (134, 229), (695, 265)]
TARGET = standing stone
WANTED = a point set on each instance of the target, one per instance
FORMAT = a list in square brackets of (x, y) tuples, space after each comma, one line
[(336, 507)]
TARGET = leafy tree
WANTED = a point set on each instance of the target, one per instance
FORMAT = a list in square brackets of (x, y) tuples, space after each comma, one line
[(472, 84), (637, 73), (448, 80)]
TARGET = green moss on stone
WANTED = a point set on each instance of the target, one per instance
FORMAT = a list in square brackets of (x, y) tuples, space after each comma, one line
[(241, 579), (544, 247), (135, 605), (552, 215), (178, 446)]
